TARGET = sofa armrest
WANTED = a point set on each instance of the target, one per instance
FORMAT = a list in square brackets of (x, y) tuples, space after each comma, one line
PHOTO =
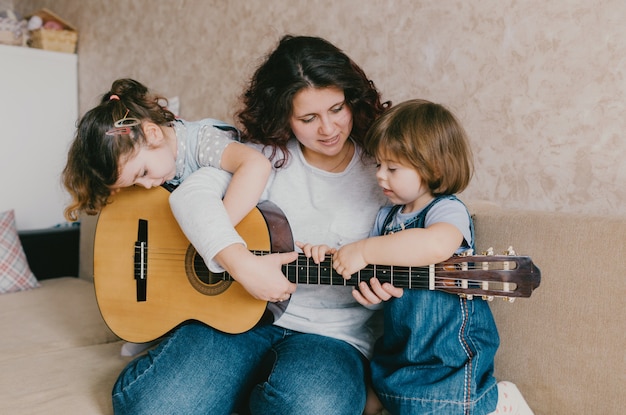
[(52, 252)]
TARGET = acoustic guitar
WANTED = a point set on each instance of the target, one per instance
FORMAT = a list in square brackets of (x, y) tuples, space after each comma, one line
[(149, 279)]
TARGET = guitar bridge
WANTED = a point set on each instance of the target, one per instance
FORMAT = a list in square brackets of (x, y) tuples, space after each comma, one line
[(141, 259)]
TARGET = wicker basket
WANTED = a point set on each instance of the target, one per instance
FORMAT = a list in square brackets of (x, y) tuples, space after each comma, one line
[(55, 40)]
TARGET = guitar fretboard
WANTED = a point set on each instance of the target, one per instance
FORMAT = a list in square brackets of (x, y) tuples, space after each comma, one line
[(305, 271)]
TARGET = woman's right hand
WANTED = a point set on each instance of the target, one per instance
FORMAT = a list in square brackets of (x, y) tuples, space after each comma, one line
[(261, 276)]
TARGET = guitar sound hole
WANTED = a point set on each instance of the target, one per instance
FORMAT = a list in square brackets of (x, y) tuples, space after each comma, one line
[(200, 277), (202, 271)]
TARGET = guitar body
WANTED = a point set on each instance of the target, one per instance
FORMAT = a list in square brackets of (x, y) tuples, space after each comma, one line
[(174, 291)]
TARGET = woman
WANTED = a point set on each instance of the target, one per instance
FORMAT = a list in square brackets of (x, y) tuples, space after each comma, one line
[(307, 108)]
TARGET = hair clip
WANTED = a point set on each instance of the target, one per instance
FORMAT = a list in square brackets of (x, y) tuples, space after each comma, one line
[(124, 125), (119, 130), (127, 122)]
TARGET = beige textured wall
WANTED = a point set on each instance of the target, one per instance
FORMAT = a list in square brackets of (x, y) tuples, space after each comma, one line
[(538, 85)]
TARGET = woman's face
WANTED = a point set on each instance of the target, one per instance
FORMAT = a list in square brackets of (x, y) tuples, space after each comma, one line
[(322, 123)]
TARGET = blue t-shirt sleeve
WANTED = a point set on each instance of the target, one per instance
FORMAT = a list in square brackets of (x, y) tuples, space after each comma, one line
[(455, 213)]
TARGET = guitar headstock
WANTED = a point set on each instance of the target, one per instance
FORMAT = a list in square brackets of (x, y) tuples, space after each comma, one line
[(488, 275)]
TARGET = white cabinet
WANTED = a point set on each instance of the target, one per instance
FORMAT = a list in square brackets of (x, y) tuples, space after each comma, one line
[(38, 114)]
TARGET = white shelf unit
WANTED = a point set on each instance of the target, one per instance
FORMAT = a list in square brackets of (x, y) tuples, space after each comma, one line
[(38, 113)]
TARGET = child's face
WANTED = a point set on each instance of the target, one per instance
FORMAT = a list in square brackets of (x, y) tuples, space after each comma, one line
[(150, 166), (402, 184)]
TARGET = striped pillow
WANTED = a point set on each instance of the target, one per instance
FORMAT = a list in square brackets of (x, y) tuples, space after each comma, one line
[(15, 274)]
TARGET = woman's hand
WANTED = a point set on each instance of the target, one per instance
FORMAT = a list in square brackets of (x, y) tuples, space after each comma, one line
[(375, 292), (350, 259), (261, 276)]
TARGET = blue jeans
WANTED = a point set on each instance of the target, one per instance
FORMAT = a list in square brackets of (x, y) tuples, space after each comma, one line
[(436, 355), (199, 370)]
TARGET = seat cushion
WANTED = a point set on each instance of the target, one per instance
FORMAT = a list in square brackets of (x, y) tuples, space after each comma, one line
[(72, 381), (61, 314)]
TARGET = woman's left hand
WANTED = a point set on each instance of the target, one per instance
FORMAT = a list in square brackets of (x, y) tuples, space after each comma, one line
[(375, 292)]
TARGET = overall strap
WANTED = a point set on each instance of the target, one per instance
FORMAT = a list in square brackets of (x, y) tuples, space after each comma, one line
[(419, 220), (416, 221), (392, 213)]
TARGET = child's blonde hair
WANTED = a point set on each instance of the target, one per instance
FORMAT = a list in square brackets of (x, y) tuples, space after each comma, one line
[(428, 137), (93, 161)]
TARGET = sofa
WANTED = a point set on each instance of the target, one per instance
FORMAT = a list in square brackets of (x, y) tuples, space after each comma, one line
[(57, 355), (564, 347)]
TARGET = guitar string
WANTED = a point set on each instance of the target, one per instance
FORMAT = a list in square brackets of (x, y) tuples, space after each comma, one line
[(474, 264), (402, 275), (308, 262)]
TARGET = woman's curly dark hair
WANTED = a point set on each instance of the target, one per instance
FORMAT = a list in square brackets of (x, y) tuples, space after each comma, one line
[(303, 62), (93, 160)]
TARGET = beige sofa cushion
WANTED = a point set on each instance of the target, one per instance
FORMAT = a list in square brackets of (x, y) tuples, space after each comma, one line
[(61, 314), (57, 356), (565, 346), (64, 381)]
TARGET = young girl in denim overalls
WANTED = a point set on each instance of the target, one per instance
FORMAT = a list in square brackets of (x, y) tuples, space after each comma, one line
[(436, 355)]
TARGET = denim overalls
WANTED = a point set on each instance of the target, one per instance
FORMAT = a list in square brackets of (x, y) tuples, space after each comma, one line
[(436, 353)]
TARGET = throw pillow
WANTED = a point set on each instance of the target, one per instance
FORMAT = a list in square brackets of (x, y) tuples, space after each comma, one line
[(15, 274)]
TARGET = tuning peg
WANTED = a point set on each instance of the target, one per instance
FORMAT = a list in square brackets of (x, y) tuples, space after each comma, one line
[(488, 298), (509, 251), (509, 299)]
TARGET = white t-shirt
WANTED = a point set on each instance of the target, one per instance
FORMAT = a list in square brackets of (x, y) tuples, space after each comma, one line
[(321, 207)]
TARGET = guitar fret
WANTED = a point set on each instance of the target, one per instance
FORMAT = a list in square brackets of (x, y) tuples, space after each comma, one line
[(410, 277), (330, 274), (319, 273), (431, 277)]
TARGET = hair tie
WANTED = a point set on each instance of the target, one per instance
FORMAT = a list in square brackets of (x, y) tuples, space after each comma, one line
[(114, 97)]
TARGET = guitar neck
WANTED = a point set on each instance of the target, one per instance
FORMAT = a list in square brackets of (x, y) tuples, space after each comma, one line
[(485, 275), (506, 276)]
